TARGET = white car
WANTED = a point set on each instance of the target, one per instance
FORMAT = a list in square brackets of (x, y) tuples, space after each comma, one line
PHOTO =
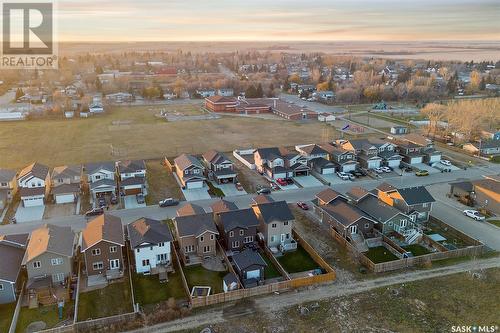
[(386, 169), (474, 214), (445, 162), (343, 175), (378, 170)]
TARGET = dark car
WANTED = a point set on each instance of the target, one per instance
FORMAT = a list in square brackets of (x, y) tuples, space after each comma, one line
[(94, 212), (303, 205), (140, 198), (264, 190), (114, 200), (168, 202), (289, 181), (101, 202)]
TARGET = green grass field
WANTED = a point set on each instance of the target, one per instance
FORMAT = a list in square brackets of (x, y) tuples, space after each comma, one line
[(114, 299), (6, 312), (199, 276), (380, 254), (270, 272), (297, 261), (416, 250), (48, 314), (148, 289)]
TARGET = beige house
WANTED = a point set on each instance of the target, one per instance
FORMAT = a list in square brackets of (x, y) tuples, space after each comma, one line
[(66, 183), (276, 224), (8, 186)]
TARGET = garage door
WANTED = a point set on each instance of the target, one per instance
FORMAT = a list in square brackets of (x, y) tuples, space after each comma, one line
[(280, 175), (133, 191), (434, 159), (191, 185), (349, 167), (393, 163), (329, 171), (416, 160), (33, 202), (255, 274), (65, 198), (373, 164)]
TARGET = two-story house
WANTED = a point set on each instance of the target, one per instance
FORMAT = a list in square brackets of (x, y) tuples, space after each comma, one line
[(132, 175), (219, 167), (416, 202), (101, 178), (280, 163), (101, 244), (197, 237), (276, 223), (34, 184), (66, 183), (365, 150), (8, 186), (12, 248), (189, 171), (431, 154), (150, 242), (238, 228), (344, 160), (49, 261), (311, 151), (411, 152), (223, 206), (387, 151)]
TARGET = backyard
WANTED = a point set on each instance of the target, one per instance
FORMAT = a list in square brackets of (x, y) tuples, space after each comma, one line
[(49, 315), (298, 261), (6, 312), (453, 238), (199, 276), (380, 254), (161, 183), (108, 301), (270, 272), (416, 250)]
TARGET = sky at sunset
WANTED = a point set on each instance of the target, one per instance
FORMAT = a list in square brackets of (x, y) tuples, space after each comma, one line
[(232, 20)]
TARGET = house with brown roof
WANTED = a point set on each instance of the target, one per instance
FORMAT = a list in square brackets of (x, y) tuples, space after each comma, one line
[(34, 184), (101, 243), (221, 103), (223, 206), (190, 209), (8, 186), (219, 167), (197, 237), (189, 171), (66, 183), (12, 248), (487, 193), (49, 262), (345, 160)]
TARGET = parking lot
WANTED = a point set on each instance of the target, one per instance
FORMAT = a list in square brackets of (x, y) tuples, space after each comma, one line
[(26, 214), (307, 181), (196, 194)]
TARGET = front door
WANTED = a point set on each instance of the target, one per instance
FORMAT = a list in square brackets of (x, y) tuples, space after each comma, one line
[(353, 229), (283, 238), (114, 264)]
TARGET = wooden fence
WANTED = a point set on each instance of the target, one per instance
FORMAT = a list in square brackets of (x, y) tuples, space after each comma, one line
[(181, 271), (228, 264), (91, 325), (168, 164)]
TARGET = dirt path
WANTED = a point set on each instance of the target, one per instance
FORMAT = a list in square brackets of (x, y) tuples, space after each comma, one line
[(278, 302)]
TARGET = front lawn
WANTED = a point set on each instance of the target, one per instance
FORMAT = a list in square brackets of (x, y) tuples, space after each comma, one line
[(416, 250), (111, 300), (48, 314), (494, 222), (149, 290), (199, 276), (380, 254), (6, 312), (270, 272), (297, 261)]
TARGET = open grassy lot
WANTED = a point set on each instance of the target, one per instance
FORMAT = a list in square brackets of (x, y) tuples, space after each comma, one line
[(297, 261), (48, 314), (495, 222), (6, 312), (114, 299), (161, 183), (424, 306), (148, 289), (416, 250), (135, 132), (270, 272), (380, 254), (199, 276)]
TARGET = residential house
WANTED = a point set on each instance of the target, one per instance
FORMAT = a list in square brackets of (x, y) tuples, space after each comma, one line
[(101, 243), (311, 151), (101, 178), (276, 224), (327, 196), (431, 155), (322, 166), (223, 206), (280, 163), (250, 266), (399, 130), (484, 148), (190, 209), (132, 177), (12, 248), (189, 171), (66, 183), (49, 261), (8, 186), (150, 242), (238, 228), (366, 152), (34, 184), (344, 160), (415, 202), (324, 96), (487, 193), (411, 152), (204, 93), (197, 237), (261, 199), (226, 92), (219, 167)]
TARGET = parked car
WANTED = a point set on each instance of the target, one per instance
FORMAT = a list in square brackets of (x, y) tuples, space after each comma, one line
[(289, 181), (445, 162), (351, 176), (238, 186), (274, 187), (378, 170), (101, 202), (94, 212), (386, 169), (421, 173), (140, 198), (114, 200), (303, 205), (343, 175), (474, 214), (264, 190), (408, 169), (168, 202), (281, 181)]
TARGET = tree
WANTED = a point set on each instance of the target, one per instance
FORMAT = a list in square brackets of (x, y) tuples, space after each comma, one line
[(475, 80), (98, 85), (251, 92), (259, 92), (323, 86)]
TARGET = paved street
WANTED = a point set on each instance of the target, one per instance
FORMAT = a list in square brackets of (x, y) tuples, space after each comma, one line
[(436, 184)]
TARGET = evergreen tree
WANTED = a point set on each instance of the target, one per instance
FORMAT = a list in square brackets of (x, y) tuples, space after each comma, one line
[(251, 92), (259, 92)]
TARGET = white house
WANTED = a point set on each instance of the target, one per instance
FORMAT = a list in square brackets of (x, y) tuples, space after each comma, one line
[(96, 108), (150, 242), (132, 177), (101, 178), (34, 184)]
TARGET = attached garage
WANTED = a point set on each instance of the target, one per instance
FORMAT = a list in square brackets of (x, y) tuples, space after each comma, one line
[(434, 158), (393, 163), (132, 191), (328, 171), (194, 184), (373, 164), (65, 198), (33, 201), (416, 160), (349, 167)]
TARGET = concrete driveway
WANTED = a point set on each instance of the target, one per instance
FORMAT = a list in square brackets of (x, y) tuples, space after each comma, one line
[(423, 166), (130, 201), (307, 181), (196, 194), (230, 190), (26, 214), (334, 179)]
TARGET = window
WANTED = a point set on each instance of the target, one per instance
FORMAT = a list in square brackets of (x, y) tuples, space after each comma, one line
[(273, 239), (56, 261), (186, 172), (37, 264), (367, 225), (273, 225), (97, 177), (403, 223), (285, 223), (162, 257), (96, 252), (242, 232), (60, 180), (231, 234), (59, 277), (206, 249), (161, 244), (425, 204), (112, 249), (145, 262), (212, 237), (39, 184), (151, 248), (202, 238), (138, 250), (248, 239), (196, 171), (98, 266), (189, 248), (3, 184), (1, 287), (235, 244)]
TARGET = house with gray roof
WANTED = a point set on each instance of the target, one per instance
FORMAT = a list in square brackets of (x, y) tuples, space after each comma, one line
[(8, 186), (132, 177), (197, 237), (250, 266), (12, 250), (150, 242), (66, 183), (223, 206), (101, 178), (219, 167), (34, 184), (238, 228), (190, 171), (415, 202), (276, 223)]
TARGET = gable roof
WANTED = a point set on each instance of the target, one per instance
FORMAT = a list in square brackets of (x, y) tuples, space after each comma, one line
[(195, 225), (248, 258), (6, 175), (221, 99), (377, 209), (328, 195), (12, 258), (50, 238), (184, 161), (65, 171), (345, 213), (416, 195), (261, 198), (223, 206), (215, 157), (149, 231), (313, 150), (103, 228), (36, 170), (16, 240), (488, 184), (190, 209), (270, 153), (275, 211), (131, 166), (357, 192), (241, 218), (465, 186), (91, 168), (386, 187)]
